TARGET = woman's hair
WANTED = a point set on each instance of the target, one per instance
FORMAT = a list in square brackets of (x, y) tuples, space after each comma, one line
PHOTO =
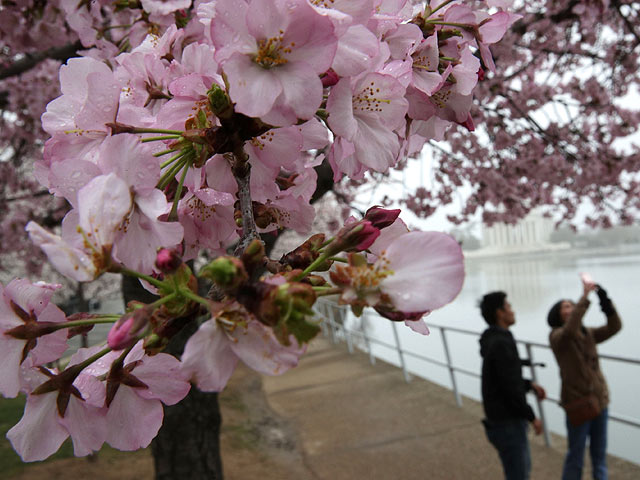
[(553, 317)]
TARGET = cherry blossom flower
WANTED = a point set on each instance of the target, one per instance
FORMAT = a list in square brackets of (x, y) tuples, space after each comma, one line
[(212, 353), (84, 250), (364, 113), (272, 52), (135, 392), (416, 272), (142, 232), (75, 410), (25, 308)]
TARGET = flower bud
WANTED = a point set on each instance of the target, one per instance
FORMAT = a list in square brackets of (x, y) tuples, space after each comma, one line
[(124, 333), (330, 78), (253, 256), (356, 236), (381, 217), (294, 301), (219, 102), (305, 254), (226, 272), (168, 260)]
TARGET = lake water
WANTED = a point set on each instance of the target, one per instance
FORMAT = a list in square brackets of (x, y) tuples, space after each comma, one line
[(533, 284)]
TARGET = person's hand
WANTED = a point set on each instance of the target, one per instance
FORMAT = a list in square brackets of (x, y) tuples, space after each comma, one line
[(540, 392), (537, 426), (588, 284), (605, 302)]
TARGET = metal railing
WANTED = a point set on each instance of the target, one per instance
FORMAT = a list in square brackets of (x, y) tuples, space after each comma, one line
[(333, 326)]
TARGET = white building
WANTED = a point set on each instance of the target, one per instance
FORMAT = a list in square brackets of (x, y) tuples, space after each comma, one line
[(531, 234)]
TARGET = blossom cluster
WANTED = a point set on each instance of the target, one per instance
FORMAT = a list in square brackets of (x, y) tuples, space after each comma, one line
[(200, 136)]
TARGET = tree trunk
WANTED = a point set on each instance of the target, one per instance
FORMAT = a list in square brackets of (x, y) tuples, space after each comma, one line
[(188, 444)]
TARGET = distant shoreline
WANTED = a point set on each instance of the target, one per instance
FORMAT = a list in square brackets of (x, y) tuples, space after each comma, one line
[(621, 249)]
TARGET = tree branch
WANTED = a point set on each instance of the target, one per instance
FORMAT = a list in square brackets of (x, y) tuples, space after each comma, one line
[(30, 60)]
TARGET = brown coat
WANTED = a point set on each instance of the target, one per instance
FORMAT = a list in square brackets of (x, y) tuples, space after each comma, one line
[(575, 350)]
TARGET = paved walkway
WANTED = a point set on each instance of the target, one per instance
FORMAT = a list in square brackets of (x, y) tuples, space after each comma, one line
[(357, 421)]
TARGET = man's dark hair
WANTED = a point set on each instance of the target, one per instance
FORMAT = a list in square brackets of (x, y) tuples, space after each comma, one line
[(553, 317), (489, 304)]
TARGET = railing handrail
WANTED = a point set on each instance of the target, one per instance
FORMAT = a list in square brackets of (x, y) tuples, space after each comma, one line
[(452, 368), (531, 342)]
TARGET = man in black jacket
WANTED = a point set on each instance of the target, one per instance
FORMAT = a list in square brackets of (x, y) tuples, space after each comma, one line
[(504, 389)]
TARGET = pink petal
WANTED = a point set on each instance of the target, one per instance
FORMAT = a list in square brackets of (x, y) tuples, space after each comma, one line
[(301, 94), (229, 29), (10, 356), (132, 422), (340, 108), (103, 204), (86, 424), (208, 359), (357, 49), (31, 297), (428, 271), (162, 374), (69, 261), (260, 350), (418, 326), (252, 88), (38, 434)]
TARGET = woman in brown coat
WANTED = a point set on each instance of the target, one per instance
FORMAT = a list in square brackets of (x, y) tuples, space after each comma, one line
[(574, 347)]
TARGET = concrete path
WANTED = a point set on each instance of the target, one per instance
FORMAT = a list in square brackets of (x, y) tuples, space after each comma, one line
[(357, 421)]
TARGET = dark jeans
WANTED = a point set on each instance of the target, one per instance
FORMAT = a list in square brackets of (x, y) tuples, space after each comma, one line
[(596, 430), (510, 439)]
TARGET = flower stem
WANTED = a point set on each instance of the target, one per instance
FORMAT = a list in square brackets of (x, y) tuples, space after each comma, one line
[(171, 173), (88, 321), (165, 164), (162, 137), (464, 26), (339, 259), (324, 291), (80, 366), (443, 4), (317, 262), (148, 278), (156, 130), (164, 152), (185, 292), (173, 215)]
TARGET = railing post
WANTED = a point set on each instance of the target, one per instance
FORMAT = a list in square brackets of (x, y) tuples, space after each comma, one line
[(452, 372), (534, 379), (407, 378), (332, 324), (347, 332), (365, 322), (321, 311)]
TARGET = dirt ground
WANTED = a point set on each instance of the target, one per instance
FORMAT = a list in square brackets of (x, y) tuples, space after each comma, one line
[(255, 443)]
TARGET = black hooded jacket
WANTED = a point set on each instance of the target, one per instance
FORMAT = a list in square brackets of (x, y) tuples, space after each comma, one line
[(503, 388)]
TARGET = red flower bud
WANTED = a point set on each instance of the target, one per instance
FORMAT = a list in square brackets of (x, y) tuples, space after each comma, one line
[(330, 78), (381, 217), (124, 332), (168, 260), (367, 235), (356, 236)]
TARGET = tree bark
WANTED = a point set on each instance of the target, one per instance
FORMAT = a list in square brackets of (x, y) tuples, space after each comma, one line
[(188, 444), (30, 60)]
